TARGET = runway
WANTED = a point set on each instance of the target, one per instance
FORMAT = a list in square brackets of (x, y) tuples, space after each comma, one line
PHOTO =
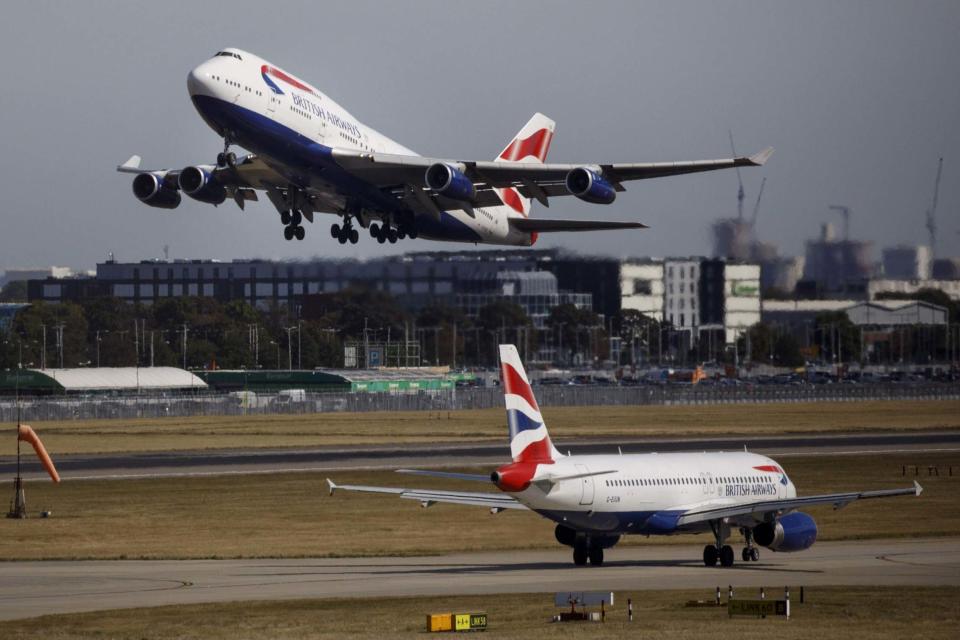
[(338, 458), (29, 589)]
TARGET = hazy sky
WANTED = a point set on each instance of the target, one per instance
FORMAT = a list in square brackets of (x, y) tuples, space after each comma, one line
[(858, 98)]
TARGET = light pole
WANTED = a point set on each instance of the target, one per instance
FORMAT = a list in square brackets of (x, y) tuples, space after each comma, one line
[(289, 348)]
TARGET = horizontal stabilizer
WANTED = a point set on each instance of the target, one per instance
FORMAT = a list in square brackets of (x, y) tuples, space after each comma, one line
[(546, 225), (452, 475)]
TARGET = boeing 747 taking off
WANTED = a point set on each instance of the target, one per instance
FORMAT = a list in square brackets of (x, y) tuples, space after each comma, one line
[(596, 499), (309, 155)]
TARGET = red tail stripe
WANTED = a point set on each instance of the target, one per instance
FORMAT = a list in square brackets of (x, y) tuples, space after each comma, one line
[(511, 198), (513, 383), (539, 451), (537, 145)]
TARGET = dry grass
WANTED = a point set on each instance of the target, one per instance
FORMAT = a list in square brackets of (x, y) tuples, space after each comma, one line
[(829, 612), (291, 515), (573, 423)]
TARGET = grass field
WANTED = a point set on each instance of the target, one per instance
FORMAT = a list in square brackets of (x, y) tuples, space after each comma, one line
[(566, 423), (291, 515), (828, 612)]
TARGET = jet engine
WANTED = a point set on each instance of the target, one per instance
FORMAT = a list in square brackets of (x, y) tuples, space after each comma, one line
[(793, 532), (449, 182), (156, 190), (200, 184), (590, 186)]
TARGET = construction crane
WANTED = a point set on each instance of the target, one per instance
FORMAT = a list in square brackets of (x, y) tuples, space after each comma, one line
[(931, 212), (740, 195), (756, 206), (845, 212)]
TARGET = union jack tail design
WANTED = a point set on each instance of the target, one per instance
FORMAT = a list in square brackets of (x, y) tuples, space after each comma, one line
[(531, 144), (529, 440)]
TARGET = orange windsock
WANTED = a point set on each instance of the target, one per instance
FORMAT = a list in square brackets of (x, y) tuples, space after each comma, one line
[(26, 434)]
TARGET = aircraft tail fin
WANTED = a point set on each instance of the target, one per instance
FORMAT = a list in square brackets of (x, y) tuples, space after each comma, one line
[(529, 440), (531, 144)]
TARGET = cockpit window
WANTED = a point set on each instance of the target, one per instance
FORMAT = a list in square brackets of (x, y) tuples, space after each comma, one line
[(229, 54)]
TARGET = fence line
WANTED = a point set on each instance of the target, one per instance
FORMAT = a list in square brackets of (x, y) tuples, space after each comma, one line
[(218, 404)]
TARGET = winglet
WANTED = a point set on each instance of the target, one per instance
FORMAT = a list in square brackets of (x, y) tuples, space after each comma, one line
[(333, 487), (917, 487), (133, 164), (759, 159)]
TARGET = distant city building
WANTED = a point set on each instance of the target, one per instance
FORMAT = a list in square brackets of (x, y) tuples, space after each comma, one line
[(862, 313), (694, 295), (946, 269), (15, 275), (781, 274), (907, 262), (874, 288), (832, 265)]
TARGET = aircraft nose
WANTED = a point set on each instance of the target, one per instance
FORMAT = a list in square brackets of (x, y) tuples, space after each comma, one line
[(197, 80)]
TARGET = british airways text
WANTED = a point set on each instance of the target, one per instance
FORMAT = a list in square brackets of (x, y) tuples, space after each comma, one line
[(332, 118)]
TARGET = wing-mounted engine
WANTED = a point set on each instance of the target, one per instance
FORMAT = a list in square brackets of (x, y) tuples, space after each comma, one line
[(200, 183), (793, 532), (449, 182), (590, 186), (157, 189)]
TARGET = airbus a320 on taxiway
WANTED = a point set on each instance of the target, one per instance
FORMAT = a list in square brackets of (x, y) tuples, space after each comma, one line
[(309, 155), (597, 499)]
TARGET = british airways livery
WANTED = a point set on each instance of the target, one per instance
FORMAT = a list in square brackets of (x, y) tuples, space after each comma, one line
[(596, 499), (310, 155)]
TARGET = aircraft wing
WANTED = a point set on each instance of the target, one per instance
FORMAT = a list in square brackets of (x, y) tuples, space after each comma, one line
[(838, 500), (532, 180), (428, 497), (545, 225)]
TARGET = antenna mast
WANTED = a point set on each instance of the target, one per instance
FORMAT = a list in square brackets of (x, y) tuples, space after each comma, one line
[(740, 195), (931, 212)]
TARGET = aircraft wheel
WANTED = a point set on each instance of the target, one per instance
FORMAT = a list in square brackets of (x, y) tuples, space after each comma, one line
[(412, 232), (755, 554), (335, 230), (710, 555), (392, 235), (374, 230), (231, 159), (299, 232), (579, 556), (221, 159), (354, 236), (401, 234), (382, 236), (296, 217), (343, 237), (596, 556), (288, 232), (285, 217), (726, 556), (745, 554)]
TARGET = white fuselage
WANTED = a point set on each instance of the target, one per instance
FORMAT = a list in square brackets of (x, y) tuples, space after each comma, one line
[(645, 484), (276, 115)]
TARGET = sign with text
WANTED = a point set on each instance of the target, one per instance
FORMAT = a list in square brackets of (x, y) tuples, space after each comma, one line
[(759, 608)]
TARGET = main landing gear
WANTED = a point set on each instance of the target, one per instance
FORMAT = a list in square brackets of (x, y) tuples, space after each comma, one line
[(719, 551), (386, 233), (345, 233), (723, 552), (292, 227), (583, 551)]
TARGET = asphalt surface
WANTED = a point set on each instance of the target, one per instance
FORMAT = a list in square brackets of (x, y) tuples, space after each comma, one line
[(29, 589), (337, 458)]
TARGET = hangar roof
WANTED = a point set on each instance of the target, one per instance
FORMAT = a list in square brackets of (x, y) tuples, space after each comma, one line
[(108, 379)]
